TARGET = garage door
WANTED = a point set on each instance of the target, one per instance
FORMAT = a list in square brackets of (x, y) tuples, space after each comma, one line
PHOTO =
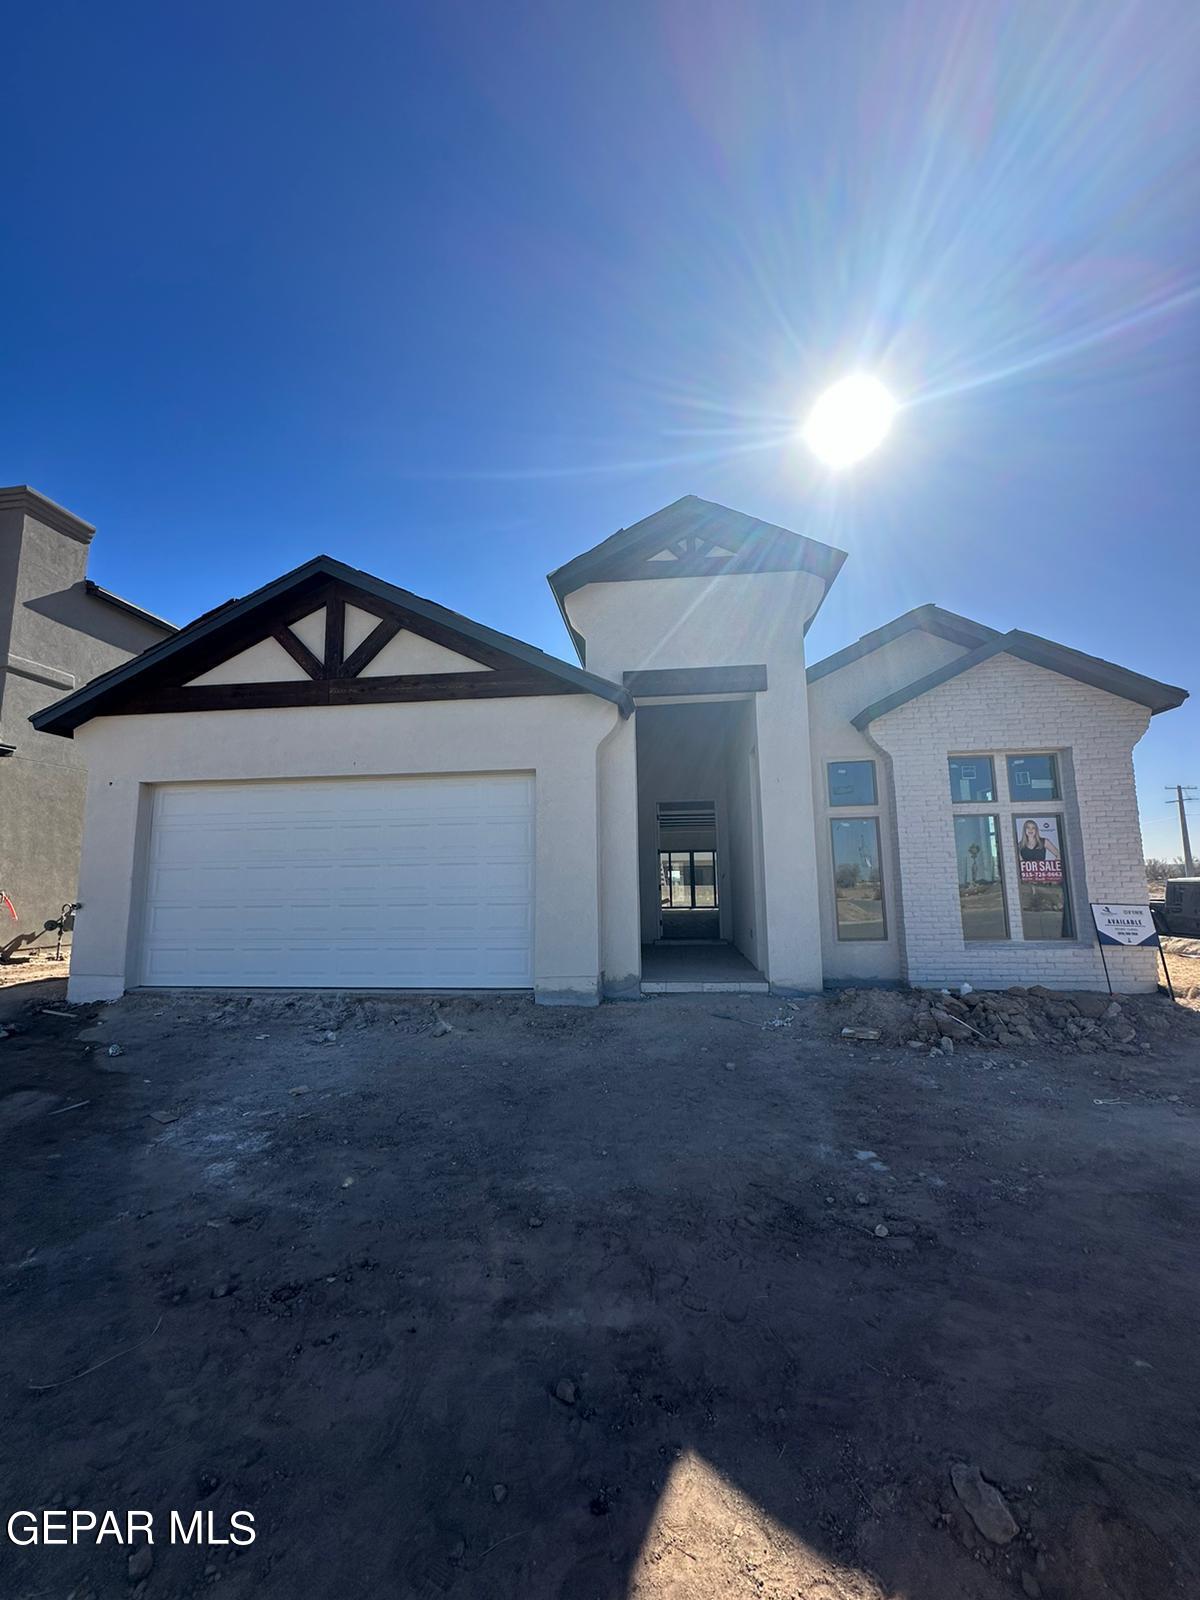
[(342, 883)]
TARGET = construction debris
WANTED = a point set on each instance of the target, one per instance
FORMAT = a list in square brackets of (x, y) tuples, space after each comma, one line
[(1017, 1018)]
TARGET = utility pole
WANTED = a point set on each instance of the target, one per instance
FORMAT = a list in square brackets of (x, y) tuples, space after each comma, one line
[(1183, 793)]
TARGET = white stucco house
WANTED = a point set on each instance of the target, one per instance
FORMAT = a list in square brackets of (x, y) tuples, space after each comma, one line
[(333, 782)]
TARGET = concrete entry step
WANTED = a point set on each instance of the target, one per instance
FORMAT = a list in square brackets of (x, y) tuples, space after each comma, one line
[(699, 969), (761, 987)]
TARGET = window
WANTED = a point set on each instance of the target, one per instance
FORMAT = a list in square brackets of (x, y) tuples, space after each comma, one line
[(858, 888), (972, 778), (687, 879), (980, 882), (851, 783), (1042, 877), (1032, 779)]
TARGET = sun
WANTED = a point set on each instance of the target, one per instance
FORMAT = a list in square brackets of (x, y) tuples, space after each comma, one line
[(849, 420)]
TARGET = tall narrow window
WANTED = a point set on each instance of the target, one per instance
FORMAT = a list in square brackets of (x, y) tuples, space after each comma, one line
[(1042, 877), (858, 884), (980, 884)]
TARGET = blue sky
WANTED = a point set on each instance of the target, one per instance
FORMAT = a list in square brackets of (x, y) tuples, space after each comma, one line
[(453, 291)]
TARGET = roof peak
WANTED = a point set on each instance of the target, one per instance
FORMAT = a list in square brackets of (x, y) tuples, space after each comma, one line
[(693, 538), (97, 697), (930, 618)]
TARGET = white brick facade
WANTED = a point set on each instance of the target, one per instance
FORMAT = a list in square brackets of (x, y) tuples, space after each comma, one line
[(1006, 706)]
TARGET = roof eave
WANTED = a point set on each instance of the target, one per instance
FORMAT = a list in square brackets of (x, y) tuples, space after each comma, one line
[(1038, 652)]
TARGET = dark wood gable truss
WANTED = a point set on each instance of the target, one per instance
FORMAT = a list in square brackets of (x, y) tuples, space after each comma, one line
[(334, 678)]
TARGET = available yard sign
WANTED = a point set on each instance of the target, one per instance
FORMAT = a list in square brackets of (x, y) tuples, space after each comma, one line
[(1121, 924), (1039, 850), (1128, 925)]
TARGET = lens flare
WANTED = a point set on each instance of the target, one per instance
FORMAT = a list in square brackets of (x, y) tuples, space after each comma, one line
[(849, 420)]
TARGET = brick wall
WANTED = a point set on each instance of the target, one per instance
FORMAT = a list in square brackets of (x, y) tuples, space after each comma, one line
[(1006, 706)]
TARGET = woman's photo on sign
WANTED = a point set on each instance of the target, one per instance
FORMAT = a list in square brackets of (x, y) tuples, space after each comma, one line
[(1039, 850), (1041, 876)]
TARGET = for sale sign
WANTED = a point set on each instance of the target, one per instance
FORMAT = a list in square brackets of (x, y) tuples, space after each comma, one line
[(1124, 924), (1039, 850)]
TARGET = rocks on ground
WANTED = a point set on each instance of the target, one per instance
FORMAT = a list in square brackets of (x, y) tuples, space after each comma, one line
[(1015, 1018), (984, 1504)]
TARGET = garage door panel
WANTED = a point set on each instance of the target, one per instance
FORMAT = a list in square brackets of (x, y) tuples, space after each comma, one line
[(342, 883)]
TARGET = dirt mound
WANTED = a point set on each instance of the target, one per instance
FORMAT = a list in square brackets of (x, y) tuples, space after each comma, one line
[(1013, 1019)]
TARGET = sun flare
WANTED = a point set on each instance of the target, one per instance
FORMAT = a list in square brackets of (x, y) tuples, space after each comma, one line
[(849, 420)]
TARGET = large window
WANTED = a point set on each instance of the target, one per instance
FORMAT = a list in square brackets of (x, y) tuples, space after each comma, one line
[(858, 885), (972, 779), (1042, 876), (980, 879), (1026, 836), (851, 783)]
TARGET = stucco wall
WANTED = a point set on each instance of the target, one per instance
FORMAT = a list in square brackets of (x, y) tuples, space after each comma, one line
[(556, 737), (736, 620), (620, 928), (56, 637), (832, 701), (749, 932), (1005, 706)]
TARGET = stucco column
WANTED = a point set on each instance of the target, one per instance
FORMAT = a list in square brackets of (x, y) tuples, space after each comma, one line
[(789, 845), (566, 943), (620, 914), (108, 883)]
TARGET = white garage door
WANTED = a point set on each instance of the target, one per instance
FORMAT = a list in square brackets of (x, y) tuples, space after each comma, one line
[(376, 883)]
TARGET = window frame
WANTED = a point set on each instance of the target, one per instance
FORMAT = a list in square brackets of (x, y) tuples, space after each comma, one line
[(983, 815), (1034, 800), (874, 819), (1005, 808), (852, 761), (971, 755), (669, 904)]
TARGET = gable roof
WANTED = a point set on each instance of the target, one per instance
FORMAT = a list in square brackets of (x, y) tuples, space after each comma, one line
[(927, 618), (1038, 652), (688, 539), (175, 659)]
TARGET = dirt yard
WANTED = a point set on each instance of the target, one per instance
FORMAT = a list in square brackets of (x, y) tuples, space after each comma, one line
[(685, 1300)]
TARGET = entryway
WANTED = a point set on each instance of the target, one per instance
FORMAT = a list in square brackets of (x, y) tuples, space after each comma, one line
[(699, 845)]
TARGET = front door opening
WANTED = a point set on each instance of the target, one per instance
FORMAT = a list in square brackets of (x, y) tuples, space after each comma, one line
[(687, 870)]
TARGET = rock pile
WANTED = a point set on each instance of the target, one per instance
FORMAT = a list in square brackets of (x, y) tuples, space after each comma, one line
[(1019, 1016), (1012, 1019)]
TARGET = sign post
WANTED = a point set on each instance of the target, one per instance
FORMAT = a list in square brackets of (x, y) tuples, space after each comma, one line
[(1127, 925)]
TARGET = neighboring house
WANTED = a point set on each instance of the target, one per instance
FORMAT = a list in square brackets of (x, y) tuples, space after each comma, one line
[(333, 782), (58, 630)]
